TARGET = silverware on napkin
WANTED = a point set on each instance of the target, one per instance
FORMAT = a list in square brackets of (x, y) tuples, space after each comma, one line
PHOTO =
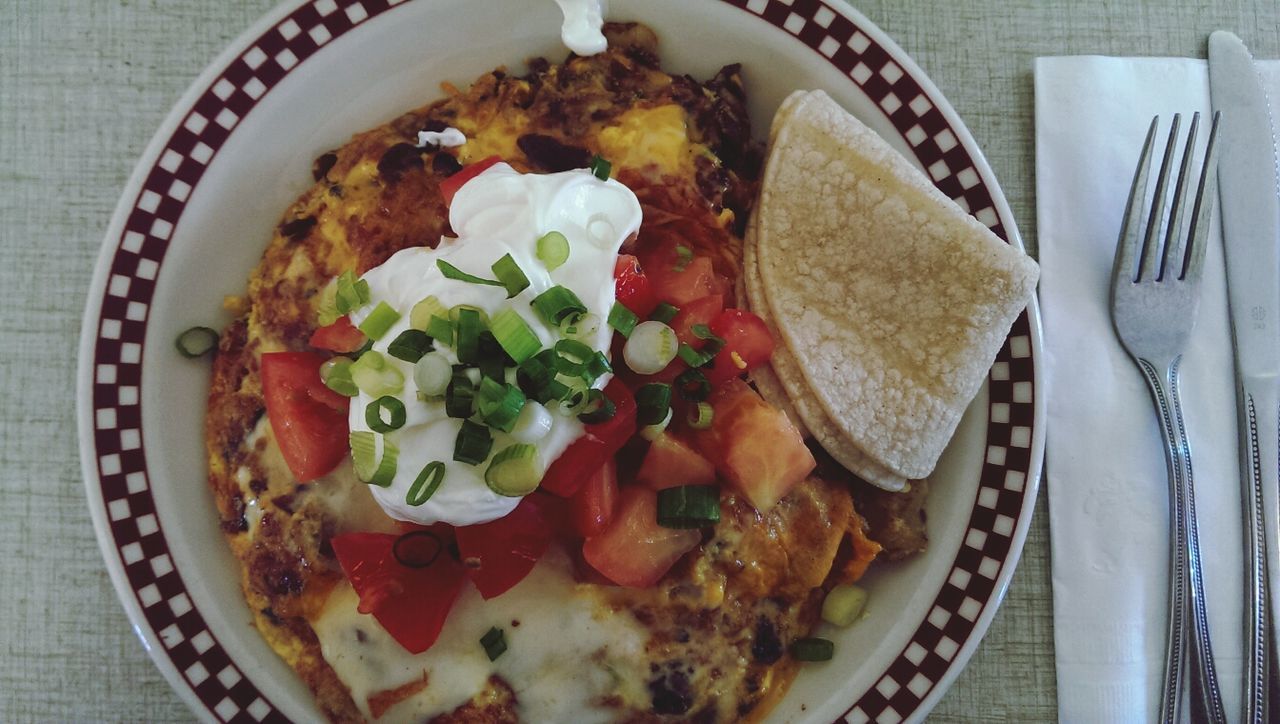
[(1247, 187), (1155, 292)]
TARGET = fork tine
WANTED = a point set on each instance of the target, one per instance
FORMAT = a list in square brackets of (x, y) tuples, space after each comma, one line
[(1207, 191), (1127, 245), (1174, 239), (1151, 238)]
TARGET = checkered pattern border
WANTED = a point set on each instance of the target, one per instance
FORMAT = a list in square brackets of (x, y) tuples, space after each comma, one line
[(121, 461)]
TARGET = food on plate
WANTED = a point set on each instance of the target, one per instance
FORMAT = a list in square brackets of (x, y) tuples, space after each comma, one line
[(483, 434), (888, 301)]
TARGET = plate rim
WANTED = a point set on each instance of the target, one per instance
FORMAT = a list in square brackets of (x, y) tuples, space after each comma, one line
[(779, 13)]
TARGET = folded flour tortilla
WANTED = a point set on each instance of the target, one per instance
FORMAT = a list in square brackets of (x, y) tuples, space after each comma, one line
[(889, 301)]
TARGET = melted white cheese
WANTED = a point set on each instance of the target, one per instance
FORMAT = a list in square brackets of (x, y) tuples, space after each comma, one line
[(499, 212), (583, 20), (567, 652)]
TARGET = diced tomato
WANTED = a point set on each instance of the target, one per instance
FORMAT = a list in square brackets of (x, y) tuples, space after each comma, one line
[(671, 463), (594, 503), (744, 335), (698, 311), (631, 286), (450, 186), (499, 554), (341, 336), (411, 603), (596, 446), (680, 280), (754, 446), (309, 420), (635, 551)]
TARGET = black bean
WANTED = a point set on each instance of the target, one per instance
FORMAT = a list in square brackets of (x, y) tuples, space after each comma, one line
[(550, 154), (297, 229), (321, 165), (398, 159)]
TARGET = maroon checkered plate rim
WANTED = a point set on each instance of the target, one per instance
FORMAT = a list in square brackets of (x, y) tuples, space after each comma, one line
[(114, 458)]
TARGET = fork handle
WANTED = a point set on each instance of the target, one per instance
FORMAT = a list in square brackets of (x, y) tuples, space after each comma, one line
[(1260, 484), (1189, 651)]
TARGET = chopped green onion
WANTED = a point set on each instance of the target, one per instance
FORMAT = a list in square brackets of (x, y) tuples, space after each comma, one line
[(394, 409), (843, 604), (689, 506), (426, 484), (473, 443), (196, 342), (693, 386), (694, 358), (510, 275), (459, 396), (703, 332), (571, 357), (651, 432), (452, 272), (557, 303), (553, 249), (653, 402), (374, 376), (812, 649), (499, 405), (422, 312), (515, 335), (469, 329), (623, 320), (701, 415), (456, 309), (335, 373), (599, 408), (493, 360), (515, 471), (379, 321), (598, 366), (600, 168), (440, 329), (494, 643), (410, 345), (576, 396), (327, 304), (650, 348), (580, 326), (369, 467), (351, 293), (533, 424), (684, 255), (664, 312), (432, 374), (368, 345)]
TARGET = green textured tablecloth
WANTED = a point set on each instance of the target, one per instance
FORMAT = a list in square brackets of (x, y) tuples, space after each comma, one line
[(83, 85)]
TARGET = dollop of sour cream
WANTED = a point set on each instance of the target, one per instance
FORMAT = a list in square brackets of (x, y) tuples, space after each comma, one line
[(500, 211), (583, 20)]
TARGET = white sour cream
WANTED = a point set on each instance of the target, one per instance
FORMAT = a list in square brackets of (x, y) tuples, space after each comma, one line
[(583, 20), (499, 212), (447, 138)]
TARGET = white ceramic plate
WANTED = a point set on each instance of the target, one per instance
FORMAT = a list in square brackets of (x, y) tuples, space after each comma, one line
[(237, 149)]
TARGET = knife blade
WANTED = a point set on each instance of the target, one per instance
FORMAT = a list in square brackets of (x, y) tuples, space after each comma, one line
[(1250, 207)]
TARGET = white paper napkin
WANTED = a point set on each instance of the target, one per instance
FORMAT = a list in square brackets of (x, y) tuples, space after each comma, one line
[(1108, 490)]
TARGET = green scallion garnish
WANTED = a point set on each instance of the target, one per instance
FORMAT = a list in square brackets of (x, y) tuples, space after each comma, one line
[(499, 404), (196, 342), (452, 272), (693, 386), (571, 357), (422, 312), (664, 312), (597, 366), (515, 335), (459, 396), (379, 321), (515, 471), (684, 255), (701, 415), (623, 320), (432, 374), (494, 643), (600, 168), (557, 303), (426, 484), (653, 402), (370, 467), (469, 328), (473, 443), (394, 414), (693, 357), (510, 275), (375, 376), (812, 649), (689, 506), (553, 250), (351, 293), (599, 408), (410, 345), (335, 373), (440, 329)]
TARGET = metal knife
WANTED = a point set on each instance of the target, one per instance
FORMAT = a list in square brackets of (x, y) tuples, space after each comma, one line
[(1250, 207)]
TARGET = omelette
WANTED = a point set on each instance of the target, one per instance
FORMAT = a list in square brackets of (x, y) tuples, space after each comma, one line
[(709, 641)]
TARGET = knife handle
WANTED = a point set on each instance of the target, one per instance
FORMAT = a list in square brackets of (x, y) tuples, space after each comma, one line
[(1260, 484)]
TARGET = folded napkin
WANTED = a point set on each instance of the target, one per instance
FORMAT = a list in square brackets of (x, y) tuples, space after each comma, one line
[(1108, 490)]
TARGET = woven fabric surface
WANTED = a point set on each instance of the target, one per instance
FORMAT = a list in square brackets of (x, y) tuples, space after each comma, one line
[(83, 86)]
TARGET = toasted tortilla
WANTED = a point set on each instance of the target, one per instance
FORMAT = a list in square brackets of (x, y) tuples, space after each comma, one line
[(890, 302)]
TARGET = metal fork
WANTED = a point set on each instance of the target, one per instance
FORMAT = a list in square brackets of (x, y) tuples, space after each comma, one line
[(1155, 290)]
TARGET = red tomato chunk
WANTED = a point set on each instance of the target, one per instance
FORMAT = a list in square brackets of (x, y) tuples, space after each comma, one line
[(635, 551), (309, 420)]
